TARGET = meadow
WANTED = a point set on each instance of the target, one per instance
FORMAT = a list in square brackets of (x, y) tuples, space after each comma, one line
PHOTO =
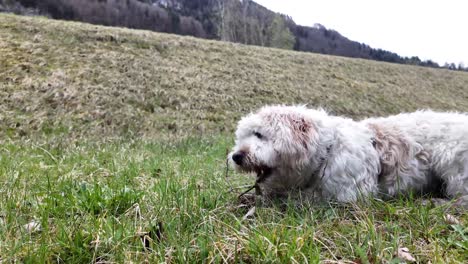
[(113, 145)]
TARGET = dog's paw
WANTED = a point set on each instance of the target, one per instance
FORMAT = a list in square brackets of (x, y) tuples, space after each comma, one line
[(434, 202)]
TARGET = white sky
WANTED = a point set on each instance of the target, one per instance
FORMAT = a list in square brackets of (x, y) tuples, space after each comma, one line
[(430, 29)]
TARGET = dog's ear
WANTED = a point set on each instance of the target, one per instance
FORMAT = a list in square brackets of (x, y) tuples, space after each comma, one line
[(302, 131)]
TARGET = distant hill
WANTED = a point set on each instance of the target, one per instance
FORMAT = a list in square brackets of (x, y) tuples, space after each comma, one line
[(240, 21), (77, 79)]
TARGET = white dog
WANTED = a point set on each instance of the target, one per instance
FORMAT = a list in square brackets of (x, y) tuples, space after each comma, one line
[(293, 149)]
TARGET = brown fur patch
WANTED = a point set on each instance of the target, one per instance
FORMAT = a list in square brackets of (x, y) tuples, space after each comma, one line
[(393, 149), (302, 130)]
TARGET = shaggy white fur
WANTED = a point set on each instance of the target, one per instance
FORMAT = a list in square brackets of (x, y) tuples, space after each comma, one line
[(298, 150)]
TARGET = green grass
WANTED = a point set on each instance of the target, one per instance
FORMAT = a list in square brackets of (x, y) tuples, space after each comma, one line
[(114, 140), (96, 201)]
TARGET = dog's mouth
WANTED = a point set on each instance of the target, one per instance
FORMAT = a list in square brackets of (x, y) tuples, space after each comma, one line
[(263, 173)]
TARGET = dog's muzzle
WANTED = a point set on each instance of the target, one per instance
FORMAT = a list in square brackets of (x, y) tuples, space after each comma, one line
[(244, 163), (238, 158)]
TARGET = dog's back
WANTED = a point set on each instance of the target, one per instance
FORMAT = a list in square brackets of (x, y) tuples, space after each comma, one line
[(438, 140)]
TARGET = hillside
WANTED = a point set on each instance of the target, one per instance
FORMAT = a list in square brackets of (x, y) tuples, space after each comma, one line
[(236, 21), (79, 79)]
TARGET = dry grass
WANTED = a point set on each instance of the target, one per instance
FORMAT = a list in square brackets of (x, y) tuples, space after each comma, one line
[(83, 80)]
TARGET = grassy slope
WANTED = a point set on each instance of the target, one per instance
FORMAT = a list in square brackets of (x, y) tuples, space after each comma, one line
[(95, 198), (62, 76)]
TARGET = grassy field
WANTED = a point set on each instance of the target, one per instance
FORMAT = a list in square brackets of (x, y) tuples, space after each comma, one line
[(95, 202), (83, 80), (113, 145)]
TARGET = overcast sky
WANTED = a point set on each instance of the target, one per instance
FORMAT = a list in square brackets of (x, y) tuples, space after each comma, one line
[(430, 29)]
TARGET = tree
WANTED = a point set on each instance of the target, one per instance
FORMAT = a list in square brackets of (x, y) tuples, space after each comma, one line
[(461, 66), (280, 36)]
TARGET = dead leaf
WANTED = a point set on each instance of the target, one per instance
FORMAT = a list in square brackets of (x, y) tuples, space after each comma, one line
[(32, 227), (451, 220), (404, 254), (154, 235), (249, 214)]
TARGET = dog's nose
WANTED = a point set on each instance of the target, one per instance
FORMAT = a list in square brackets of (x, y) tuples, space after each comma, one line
[(238, 157)]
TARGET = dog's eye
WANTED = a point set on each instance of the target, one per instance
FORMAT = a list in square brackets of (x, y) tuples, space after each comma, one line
[(258, 135)]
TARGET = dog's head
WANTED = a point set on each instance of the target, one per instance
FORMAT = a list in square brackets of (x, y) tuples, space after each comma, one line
[(276, 137)]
